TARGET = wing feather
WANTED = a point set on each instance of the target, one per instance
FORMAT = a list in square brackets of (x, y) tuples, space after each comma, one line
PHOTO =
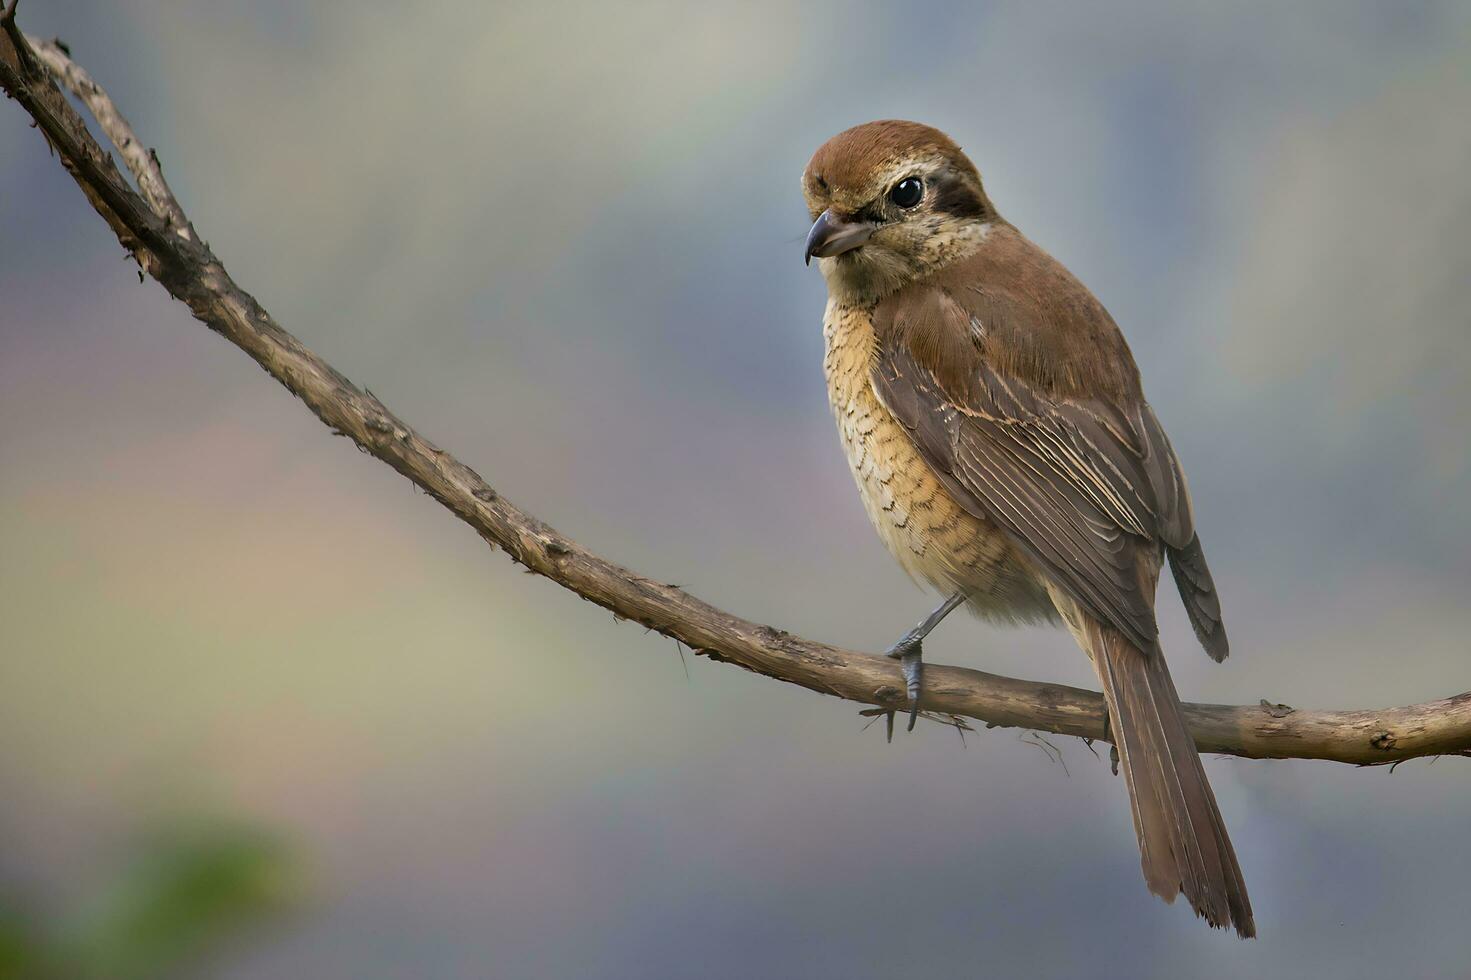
[(1083, 487)]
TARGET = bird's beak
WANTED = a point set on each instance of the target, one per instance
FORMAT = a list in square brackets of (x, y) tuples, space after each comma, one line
[(832, 235)]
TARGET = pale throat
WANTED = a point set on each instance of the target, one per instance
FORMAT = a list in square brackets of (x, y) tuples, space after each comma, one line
[(868, 274)]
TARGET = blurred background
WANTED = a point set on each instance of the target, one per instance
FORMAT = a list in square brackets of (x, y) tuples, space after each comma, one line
[(563, 240)]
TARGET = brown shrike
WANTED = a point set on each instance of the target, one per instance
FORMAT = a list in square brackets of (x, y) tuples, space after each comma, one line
[(994, 420)]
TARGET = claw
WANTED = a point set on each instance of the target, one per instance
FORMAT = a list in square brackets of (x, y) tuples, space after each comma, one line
[(913, 667), (910, 655)]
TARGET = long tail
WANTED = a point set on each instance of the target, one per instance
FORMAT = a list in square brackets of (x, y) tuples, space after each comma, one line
[(1182, 840)]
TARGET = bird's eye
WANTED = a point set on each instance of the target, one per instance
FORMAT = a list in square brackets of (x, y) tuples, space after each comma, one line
[(907, 192)]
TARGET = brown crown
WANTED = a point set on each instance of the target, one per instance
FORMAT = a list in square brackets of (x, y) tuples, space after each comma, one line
[(851, 159)]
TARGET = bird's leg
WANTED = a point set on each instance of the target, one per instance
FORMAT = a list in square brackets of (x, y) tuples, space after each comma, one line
[(909, 652)]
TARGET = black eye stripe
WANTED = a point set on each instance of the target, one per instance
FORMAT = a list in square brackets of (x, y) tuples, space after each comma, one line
[(956, 197)]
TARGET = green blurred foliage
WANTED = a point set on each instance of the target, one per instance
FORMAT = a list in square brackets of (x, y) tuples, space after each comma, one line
[(190, 890)]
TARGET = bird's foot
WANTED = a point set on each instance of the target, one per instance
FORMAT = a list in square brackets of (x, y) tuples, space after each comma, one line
[(910, 654)]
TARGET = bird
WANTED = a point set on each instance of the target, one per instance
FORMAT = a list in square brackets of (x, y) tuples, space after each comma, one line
[(995, 423)]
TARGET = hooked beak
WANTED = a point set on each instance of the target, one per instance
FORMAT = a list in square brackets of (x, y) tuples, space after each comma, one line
[(831, 235)]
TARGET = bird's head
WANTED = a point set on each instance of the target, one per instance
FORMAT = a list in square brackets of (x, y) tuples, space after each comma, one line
[(891, 201)]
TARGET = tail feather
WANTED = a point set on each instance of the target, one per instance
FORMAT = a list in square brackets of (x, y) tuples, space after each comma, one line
[(1183, 843)]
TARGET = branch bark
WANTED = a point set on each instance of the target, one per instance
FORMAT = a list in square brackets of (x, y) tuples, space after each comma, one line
[(155, 229)]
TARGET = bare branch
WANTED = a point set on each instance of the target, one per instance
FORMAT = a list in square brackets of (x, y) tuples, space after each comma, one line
[(156, 230)]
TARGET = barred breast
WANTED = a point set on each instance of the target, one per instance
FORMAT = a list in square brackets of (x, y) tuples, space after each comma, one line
[(933, 537)]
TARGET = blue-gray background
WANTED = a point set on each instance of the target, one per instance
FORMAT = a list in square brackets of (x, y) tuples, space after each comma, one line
[(563, 240)]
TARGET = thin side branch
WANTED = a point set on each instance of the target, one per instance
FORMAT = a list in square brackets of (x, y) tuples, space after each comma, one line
[(143, 163), (157, 232)]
